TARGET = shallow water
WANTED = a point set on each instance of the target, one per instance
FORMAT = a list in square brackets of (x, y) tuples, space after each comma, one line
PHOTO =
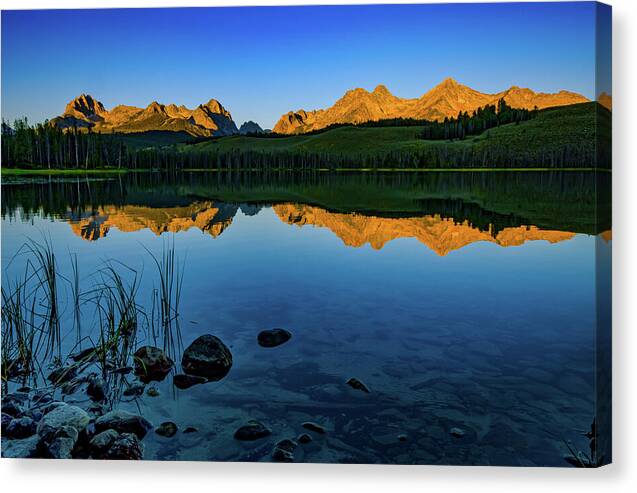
[(454, 314)]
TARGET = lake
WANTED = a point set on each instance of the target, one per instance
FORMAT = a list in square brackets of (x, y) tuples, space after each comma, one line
[(466, 303)]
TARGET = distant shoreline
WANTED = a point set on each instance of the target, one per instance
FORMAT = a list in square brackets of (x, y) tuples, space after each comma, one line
[(109, 171)]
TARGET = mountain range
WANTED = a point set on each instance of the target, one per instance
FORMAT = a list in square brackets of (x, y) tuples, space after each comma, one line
[(206, 120), (356, 106), (444, 100)]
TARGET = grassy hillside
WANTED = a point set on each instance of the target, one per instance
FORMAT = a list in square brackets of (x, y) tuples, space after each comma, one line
[(551, 131)]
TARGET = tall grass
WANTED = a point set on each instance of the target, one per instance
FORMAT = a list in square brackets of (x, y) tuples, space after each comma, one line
[(32, 314)]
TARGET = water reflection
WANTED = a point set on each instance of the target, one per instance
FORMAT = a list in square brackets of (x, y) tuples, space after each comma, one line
[(396, 280)]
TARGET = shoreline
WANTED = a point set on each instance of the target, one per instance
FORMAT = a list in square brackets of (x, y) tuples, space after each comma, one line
[(107, 171)]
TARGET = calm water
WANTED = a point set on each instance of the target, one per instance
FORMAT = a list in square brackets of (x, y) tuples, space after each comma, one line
[(459, 300)]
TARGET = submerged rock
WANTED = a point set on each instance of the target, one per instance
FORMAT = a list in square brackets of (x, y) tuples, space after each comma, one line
[(85, 355), (61, 444), (456, 432), (152, 392), (284, 451), (135, 389), (62, 374), (13, 405), (182, 381), (20, 428), (355, 383), (304, 438), (167, 429), (316, 428), (207, 357), (151, 363), (123, 422), (96, 388), (101, 442), (125, 447), (252, 430), (25, 448), (190, 429), (273, 337)]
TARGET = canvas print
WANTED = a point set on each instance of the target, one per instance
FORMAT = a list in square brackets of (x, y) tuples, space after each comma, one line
[(334, 234)]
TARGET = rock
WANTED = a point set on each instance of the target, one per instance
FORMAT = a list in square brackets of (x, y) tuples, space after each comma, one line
[(61, 445), (62, 374), (207, 357), (101, 442), (123, 422), (6, 419), (284, 451), (42, 397), (13, 405), (316, 428), (355, 383), (135, 389), (151, 363), (273, 337), (190, 429), (152, 392), (20, 428), (402, 437), (456, 432), (125, 447), (60, 448), (167, 429), (304, 438), (252, 430), (182, 381), (46, 409), (85, 355), (62, 416), (25, 448), (72, 385), (96, 389)]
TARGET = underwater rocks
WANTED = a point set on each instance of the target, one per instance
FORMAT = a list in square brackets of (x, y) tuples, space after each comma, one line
[(135, 389), (284, 451), (151, 363), (183, 381), (96, 388), (123, 422), (252, 430), (207, 357), (62, 374), (355, 383), (167, 429), (316, 428), (273, 337), (304, 438), (6, 419), (456, 432), (101, 442)]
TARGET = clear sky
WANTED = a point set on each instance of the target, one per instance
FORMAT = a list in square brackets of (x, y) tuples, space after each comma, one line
[(261, 62)]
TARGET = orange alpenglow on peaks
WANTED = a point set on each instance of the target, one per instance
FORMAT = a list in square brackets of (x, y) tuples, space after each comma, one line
[(444, 100), (209, 119)]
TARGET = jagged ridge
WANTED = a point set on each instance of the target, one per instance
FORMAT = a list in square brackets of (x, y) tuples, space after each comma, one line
[(445, 100), (209, 119)]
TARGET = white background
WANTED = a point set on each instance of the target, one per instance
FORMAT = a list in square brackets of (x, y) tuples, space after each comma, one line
[(119, 477)]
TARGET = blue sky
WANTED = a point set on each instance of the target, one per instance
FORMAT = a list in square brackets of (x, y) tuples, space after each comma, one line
[(261, 62)]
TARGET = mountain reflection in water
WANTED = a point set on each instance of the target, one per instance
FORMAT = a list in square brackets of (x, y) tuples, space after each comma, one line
[(440, 234)]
